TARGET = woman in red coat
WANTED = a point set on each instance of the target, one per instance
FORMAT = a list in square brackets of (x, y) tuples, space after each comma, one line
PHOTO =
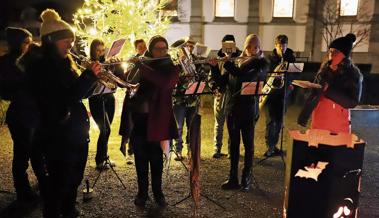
[(341, 83), (153, 118)]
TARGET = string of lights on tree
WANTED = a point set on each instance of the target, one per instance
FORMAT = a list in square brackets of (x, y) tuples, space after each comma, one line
[(110, 20)]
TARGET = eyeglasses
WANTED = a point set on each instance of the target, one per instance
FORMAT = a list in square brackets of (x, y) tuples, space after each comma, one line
[(160, 49)]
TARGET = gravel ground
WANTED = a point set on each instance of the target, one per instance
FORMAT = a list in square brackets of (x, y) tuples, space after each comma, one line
[(265, 200)]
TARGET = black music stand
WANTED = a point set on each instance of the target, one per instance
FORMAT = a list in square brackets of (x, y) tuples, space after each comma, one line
[(285, 87), (107, 160)]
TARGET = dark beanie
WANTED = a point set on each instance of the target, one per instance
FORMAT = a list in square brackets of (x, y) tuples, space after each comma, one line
[(228, 38), (154, 40), (344, 44), (15, 37)]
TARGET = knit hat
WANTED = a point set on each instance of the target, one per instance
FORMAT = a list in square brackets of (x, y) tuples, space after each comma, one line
[(53, 28), (154, 40), (15, 37), (228, 38), (344, 44)]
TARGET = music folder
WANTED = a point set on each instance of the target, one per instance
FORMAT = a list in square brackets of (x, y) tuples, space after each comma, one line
[(195, 88), (250, 88)]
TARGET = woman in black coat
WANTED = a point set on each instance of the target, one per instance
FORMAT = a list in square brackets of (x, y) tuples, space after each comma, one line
[(241, 110), (22, 116), (59, 88)]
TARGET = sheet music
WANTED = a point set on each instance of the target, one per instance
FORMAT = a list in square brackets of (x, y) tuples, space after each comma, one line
[(192, 88), (115, 48), (250, 88)]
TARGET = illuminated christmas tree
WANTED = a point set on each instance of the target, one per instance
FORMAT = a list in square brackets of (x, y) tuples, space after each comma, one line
[(110, 20)]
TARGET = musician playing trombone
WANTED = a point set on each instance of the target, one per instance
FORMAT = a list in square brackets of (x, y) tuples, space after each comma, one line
[(275, 99), (241, 110)]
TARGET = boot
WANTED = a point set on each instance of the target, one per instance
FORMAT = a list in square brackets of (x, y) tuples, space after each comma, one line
[(246, 180), (140, 200), (232, 182)]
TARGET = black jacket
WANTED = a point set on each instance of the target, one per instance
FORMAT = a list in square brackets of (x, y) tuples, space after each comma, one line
[(344, 88), (58, 90), (253, 69), (14, 88)]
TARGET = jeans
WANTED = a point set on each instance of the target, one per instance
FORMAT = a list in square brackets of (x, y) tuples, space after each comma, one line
[(103, 116), (183, 113)]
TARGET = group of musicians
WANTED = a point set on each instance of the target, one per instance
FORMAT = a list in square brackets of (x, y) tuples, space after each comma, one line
[(50, 125)]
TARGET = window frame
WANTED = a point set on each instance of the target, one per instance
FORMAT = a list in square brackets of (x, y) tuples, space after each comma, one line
[(224, 17), (340, 9), (273, 11)]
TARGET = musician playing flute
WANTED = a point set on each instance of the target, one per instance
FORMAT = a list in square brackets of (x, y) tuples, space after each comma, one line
[(153, 118), (241, 110)]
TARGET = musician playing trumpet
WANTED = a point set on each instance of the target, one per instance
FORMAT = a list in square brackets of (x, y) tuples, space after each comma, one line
[(241, 110), (59, 87)]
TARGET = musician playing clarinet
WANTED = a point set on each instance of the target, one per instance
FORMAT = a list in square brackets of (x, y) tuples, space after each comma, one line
[(241, 110), (275, 99)]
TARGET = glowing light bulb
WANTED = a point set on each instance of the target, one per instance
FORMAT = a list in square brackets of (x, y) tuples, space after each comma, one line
[(92, 31), (338, 213), (346, 211)]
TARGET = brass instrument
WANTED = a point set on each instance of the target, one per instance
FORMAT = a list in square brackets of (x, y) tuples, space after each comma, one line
[(108, 79), (204, 61), (275, 81)]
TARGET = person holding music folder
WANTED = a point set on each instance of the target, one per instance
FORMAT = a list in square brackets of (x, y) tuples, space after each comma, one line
[(341, 83), (241, 110), (102, 108), (22, 115), (219, 101), (275, 98), (125, 122), (153, 118), (59, 87)]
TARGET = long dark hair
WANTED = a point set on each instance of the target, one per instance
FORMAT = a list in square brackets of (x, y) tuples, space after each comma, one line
[(94, 44)]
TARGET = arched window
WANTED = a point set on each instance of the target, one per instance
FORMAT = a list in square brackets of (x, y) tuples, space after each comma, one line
[(349, 7), (224, 8), (283, 8)]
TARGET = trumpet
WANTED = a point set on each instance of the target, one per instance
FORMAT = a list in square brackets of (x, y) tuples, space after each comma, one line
[(108, 79), (206, 60)]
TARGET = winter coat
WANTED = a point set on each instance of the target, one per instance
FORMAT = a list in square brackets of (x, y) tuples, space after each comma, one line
[(59, 89), (344, 88), (14, 88), (252, 70), (155, 93)]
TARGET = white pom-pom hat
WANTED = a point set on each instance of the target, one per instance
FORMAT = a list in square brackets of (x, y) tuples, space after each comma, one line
[(53, 28)]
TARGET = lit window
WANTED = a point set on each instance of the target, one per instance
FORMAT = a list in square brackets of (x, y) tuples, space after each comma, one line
[(224, 8), (283, 8), (349, 7)]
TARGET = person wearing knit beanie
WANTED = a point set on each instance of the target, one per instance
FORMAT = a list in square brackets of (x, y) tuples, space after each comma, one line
[(18, 39), (53, 28), (344, 44), (228, 37)]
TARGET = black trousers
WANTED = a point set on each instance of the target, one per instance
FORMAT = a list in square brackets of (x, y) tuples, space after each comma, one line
[(102, 108), (240, 125), (146, 154), (274, 118), (24, 149), (64, 177)]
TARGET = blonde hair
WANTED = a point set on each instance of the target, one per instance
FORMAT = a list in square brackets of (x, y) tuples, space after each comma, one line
[(248, 40)]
